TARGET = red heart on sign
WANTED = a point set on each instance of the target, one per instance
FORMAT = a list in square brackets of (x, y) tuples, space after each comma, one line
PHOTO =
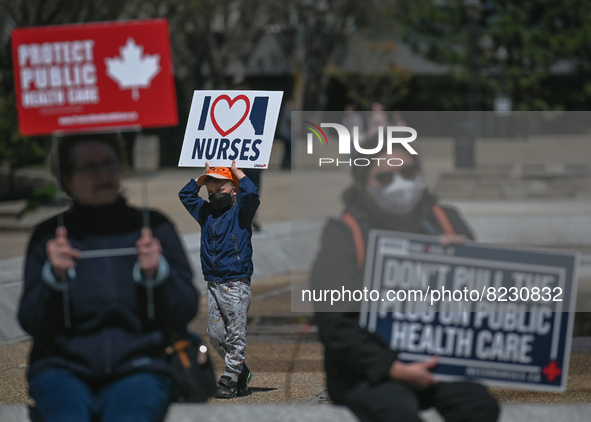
[(230, 105)]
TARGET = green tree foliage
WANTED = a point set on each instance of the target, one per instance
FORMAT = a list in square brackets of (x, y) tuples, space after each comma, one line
[(17, 151), (212, 41), (537, 51), (14, 150)]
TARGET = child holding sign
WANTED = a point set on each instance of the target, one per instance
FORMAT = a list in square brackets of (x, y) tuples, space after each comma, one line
[(226, 260)]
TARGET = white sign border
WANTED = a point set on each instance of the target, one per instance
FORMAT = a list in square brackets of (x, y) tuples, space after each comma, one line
[(194, 120), (367, 308)]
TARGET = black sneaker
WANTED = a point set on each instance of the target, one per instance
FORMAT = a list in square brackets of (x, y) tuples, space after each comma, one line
[(243, 380), (226, 388)]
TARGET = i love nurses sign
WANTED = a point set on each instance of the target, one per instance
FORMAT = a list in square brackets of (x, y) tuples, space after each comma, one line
[(84, 77), (231, 125)]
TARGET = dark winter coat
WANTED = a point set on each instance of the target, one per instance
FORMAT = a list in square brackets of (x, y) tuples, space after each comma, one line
[(110, 332), (226, 247), (353, 354)]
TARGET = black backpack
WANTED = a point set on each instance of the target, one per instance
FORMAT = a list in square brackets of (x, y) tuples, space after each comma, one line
[(192, 370)]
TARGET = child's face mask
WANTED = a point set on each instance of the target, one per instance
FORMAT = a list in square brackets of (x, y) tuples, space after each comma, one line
[(220, 201)]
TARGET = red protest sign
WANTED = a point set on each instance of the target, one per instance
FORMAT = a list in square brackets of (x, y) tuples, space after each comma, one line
[(90, 76)]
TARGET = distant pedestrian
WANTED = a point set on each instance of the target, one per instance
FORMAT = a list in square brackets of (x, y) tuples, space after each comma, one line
[(378, 118), (353, 121), (256, 176), (226, 260), (284, 132), (397, 119)]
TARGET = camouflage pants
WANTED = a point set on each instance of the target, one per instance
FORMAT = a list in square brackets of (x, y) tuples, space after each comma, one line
[(227, 306)]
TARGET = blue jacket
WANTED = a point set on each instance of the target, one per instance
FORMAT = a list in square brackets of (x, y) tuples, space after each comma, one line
[(111, 334), (226, 247)]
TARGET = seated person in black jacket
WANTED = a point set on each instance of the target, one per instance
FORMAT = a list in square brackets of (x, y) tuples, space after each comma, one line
[(362, 372), (99, 323)]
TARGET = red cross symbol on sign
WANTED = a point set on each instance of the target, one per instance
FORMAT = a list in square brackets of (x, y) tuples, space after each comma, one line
[(551, 371)]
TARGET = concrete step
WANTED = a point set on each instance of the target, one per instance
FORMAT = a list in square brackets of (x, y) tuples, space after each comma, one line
[(494, 184), (12, 209), (14, 220), (578, 412)]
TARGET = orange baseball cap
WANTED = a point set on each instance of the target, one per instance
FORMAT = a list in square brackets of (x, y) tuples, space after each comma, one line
[(217, 173)]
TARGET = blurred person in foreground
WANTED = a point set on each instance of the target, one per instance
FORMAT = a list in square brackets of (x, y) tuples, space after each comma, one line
[(362, 372), (98, 352)]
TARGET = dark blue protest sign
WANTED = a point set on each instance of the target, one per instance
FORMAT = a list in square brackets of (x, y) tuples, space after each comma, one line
[(503, 316)]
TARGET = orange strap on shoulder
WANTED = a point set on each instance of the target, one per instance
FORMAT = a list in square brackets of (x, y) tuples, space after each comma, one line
[(357, 237), (443, 220), (350, 221)]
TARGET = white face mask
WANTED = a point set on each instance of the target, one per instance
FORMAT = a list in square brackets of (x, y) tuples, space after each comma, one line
[(400, 196)]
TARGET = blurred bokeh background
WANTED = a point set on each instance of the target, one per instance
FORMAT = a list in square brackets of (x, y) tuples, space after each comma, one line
[(324, 54), (517, 184)]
